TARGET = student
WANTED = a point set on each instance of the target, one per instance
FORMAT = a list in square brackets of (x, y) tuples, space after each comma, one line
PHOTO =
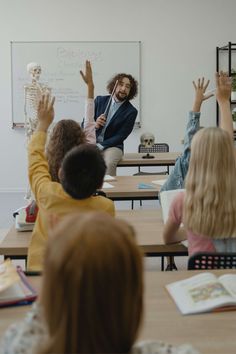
[(177, 176), (115, 125), (178, 173), (66, 134), (81, 174), (208, 206), (92, 294)]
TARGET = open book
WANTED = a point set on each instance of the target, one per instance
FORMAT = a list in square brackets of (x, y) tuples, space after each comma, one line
[(204, 292), (14, 286), (166, 200)]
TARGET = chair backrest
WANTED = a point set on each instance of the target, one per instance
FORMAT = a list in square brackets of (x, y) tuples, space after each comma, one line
[(216, 260), (158, 147)]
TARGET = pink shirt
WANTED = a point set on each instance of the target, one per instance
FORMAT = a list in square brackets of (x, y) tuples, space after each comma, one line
[(196, 242), (89, 123)]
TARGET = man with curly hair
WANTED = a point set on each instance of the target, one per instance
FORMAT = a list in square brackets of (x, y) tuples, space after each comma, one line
[(115, 117)]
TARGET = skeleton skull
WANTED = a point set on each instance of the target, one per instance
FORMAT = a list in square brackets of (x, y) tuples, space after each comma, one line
[(34, 70), (147, 140)]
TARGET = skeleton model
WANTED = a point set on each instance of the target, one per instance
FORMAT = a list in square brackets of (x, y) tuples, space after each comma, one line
[(147, 140), (32, 95)]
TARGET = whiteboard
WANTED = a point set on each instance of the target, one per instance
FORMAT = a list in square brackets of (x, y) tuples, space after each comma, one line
[(61, 63)]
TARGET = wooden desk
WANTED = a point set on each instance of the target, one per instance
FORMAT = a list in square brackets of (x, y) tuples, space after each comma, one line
[(148, 225), (160, 159), (210, 333), (126, 188), (15, 244)]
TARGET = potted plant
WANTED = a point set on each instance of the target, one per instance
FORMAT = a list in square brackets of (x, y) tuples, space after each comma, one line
[(233, 92)]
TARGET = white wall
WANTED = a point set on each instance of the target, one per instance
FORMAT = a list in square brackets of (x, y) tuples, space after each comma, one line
[(178, 45)]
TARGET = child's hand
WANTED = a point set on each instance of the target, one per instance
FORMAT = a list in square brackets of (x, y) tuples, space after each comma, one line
[(88, 76), (223, 86), (45, 112), (200, 89)]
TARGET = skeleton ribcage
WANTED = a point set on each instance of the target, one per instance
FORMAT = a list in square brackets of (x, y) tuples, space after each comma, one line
[(33, 95)]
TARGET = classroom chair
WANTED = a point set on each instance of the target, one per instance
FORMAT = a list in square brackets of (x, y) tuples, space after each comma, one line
[(158, 147), (214, 260)]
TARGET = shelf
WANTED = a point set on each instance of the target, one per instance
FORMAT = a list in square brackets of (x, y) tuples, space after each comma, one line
[(230, 48)]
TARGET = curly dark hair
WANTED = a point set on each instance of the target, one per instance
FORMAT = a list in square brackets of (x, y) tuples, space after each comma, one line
[(82, 171), (65, 135), (119, 77)]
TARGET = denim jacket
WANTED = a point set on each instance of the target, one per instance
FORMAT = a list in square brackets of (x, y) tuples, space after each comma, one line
[(178, 173)]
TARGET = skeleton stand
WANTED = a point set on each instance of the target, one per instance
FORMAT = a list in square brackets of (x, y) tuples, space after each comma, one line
[(148, 156)]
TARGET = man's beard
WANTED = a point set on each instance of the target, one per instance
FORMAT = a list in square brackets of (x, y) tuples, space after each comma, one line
[(121, 97)]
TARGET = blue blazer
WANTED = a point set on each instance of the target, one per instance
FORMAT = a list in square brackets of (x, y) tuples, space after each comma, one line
[(120, 125)]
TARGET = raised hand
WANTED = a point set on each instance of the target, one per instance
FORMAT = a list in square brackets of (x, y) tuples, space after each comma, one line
[(223, 92), (45, 112), (88, 78), (200, 89), (223, 86)]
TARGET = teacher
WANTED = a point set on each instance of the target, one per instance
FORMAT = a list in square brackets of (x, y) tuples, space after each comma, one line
[(115, 117)]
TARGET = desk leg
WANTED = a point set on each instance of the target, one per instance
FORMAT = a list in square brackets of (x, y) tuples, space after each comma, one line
[(162, 263)]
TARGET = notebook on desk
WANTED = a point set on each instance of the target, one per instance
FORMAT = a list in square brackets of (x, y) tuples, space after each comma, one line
[(14, 286), (166, 198)]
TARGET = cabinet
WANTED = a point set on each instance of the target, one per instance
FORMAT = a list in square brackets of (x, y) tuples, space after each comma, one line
[(226, 61)]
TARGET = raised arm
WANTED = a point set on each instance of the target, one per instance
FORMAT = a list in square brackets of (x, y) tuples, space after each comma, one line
[(200, 89), (178, 173), (88, 79), (223, 92), (89, 123), (37, 163), (193, 125), (45, 113)]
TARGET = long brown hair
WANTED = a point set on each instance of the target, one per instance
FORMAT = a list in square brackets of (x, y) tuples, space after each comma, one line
[(210, 200), (65, 135), (93, 286)]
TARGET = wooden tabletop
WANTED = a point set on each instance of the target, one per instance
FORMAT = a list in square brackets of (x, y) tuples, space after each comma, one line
[(210, 333), (160, 159), (15, 243), (148, 225), (127, 187)]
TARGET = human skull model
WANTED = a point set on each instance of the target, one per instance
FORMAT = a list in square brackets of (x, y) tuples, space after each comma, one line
[(147, 140), (34, 70)]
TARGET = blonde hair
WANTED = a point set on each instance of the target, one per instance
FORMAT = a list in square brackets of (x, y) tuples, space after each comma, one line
[(210, 200), (93, 286)]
